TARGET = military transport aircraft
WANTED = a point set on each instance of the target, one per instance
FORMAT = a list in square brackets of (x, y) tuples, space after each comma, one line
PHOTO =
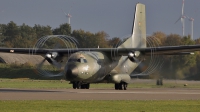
[(110, 65)]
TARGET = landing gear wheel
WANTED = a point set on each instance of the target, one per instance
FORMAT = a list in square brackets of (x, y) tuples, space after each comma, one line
[(78, 85), (82, 86), (116, 86), (125, 86), (121, 86), (74, 85), (87, 86)]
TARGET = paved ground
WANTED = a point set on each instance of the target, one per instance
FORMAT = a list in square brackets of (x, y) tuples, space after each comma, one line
[(100, 94)]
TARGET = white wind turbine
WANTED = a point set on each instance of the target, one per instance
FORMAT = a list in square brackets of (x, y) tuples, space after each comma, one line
[(182, 18), (192, 21), (68, 16)]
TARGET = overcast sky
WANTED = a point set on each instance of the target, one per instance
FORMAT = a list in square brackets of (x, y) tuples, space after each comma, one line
[(115, 17)]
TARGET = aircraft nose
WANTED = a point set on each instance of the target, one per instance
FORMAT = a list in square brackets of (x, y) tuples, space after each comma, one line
[(72, 71)]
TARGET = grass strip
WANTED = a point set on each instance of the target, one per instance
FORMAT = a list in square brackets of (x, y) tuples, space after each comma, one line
[(62, 84), (100, 106)]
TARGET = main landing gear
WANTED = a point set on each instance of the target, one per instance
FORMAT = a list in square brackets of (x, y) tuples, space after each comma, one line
[(121, 86), (80, 85)]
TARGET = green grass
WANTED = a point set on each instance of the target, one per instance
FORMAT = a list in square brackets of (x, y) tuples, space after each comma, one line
[(43, 84), (61, 84), (93, 105), (11, 75), (100, 106), (40, 84), (26, 70)]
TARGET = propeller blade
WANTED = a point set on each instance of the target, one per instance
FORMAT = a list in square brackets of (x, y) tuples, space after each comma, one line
[(41, 63), (142, 66), (56, 64)]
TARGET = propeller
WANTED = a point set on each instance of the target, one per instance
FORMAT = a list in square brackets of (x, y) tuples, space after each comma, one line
[(154, 61), (132, 56), (53, 57)]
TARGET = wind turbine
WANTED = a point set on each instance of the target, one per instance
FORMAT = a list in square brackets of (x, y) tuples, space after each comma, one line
[(68, 16), (192, 20), (182, 18)]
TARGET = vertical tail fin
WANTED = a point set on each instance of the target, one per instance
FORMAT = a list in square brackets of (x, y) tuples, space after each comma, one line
[(138, 37)]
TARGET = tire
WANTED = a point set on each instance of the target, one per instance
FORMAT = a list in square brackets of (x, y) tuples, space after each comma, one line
[(83, 86), (116, 86), (78, 85), (125, 86), (120, 86), (74, 85), (87, 86)]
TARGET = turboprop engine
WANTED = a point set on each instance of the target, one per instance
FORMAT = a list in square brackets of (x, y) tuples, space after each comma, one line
[(118, 78), (54, 58), (133, 55)]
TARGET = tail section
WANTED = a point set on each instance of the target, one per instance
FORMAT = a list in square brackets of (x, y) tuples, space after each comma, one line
[(138, 37)]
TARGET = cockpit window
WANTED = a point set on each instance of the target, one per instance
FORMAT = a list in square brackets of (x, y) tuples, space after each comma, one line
[(71, 60), (82, 60), (85, 60)]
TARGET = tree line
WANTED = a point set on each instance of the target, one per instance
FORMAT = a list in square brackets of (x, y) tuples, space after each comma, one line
[(173, 67)]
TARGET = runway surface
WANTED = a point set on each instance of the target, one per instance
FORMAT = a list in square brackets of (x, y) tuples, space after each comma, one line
[(99, 94)]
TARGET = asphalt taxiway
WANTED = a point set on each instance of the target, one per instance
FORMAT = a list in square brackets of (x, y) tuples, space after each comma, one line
[(100, 94)]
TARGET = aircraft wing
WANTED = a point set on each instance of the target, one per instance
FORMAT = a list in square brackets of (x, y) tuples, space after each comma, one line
[(169, 50), (165, 50)]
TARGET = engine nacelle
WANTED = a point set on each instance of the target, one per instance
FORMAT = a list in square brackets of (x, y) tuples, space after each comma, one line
[(117, 78), (132, 55), (52, 55), (54, 58)]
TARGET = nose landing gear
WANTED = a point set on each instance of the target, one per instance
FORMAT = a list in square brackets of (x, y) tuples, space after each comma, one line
[(80, 85), (121, 86)]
